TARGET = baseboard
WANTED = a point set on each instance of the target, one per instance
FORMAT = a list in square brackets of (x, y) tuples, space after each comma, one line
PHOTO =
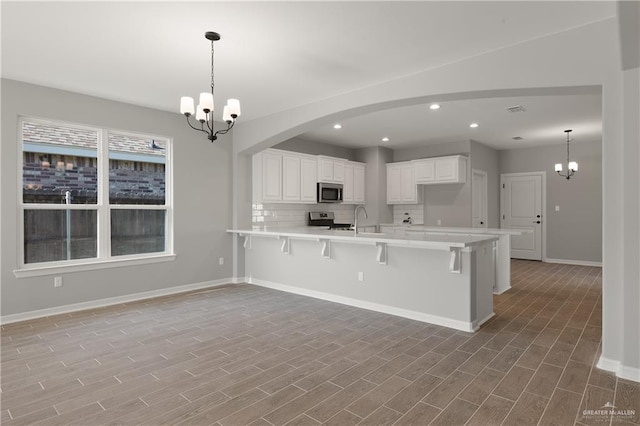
[(622, 371), (573, 262), (477, 324), (503, 291), (391, 310), (100, 303)]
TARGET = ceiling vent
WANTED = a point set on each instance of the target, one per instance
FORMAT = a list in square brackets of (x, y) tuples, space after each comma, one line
[(517, 108), (517, 138)]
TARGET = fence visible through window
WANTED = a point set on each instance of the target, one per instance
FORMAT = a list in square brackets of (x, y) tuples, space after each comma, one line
[(61, 169)]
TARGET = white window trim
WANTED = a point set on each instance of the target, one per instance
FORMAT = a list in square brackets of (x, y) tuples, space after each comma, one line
[(102, 208)]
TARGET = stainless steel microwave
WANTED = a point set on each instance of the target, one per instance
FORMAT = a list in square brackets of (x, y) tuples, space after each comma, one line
[(329, 192)]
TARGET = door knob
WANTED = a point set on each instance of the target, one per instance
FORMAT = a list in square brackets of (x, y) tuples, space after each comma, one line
[(481, 223)]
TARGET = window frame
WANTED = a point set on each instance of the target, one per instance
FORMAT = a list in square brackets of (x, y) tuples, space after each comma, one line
[(103, 208)]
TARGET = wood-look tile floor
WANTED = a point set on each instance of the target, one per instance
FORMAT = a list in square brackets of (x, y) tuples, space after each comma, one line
[(241, 354)]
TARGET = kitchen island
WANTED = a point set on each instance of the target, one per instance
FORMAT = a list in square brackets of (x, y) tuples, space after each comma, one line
[(503, 246), (446, 280)]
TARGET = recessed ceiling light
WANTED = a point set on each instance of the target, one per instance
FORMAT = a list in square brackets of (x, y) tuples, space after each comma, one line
[(337, 126), (385, 139), (434, 106), (473, 125)]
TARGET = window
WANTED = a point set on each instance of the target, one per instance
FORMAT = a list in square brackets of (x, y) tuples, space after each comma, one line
[(92, 195)]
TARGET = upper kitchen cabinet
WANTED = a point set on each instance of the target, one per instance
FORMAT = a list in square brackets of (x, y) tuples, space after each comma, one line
[(353, 189), (451, 169), (330, 169), (425, 170), (401, 184), (267, 177), (282, 176)]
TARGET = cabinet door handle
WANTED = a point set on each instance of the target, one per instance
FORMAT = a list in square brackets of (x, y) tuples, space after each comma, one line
[(536, 221)]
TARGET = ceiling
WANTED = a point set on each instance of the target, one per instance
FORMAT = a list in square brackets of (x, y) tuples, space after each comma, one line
[(276, 56)]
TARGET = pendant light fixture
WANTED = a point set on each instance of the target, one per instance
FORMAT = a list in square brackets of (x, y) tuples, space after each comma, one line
[(572, 166), (204, 111)]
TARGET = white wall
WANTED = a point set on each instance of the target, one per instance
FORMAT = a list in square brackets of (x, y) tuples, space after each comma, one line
[(202, 194)]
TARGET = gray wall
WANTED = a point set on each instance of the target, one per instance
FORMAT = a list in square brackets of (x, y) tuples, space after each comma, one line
[(451, 203), (316, 148), (575, 232), (376, 159), (487, 159), (202, 194)]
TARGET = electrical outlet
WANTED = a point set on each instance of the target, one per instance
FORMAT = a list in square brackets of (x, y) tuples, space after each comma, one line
[(221, 261), (557, 208), (57, 281), (361, 276), (439, 222)]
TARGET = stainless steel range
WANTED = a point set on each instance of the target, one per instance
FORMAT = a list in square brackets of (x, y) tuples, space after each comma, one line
[(326, 219)]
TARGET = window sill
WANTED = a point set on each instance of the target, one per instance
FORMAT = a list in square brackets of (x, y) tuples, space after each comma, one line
[(39, 271)]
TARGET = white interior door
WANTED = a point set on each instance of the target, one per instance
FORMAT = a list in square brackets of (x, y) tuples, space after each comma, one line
[(479, 199), (521, 197)]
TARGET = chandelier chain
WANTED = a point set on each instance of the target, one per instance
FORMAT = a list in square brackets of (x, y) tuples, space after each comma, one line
[(212, 67)]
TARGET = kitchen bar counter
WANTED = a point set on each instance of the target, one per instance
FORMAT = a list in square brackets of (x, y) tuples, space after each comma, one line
[(442, 242), (441, 279)]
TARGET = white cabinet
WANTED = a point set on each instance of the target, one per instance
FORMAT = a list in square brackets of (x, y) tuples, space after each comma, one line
[(308, 179), (290, 178), (353, 189), (281, 176), (451, 169), (267, 177), (425, 170), (359, 172), (401, 184), (330, 169)]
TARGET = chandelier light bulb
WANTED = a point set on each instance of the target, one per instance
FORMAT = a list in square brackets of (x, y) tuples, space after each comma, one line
[(186, 105), (201, 116), (206, 102), (234, 107)]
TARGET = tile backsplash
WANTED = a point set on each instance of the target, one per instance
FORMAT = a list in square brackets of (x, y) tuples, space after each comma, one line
[(416, 212), (282, 215)]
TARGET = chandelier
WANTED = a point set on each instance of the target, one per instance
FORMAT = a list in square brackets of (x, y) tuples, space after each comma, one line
[(204, 111), (572, 166)]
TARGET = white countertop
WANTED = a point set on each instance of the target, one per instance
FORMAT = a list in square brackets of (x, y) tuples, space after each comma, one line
[(457, 230), (416, 240)]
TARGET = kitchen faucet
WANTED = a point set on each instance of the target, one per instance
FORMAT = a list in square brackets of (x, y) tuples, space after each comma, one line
[(355, 218)]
